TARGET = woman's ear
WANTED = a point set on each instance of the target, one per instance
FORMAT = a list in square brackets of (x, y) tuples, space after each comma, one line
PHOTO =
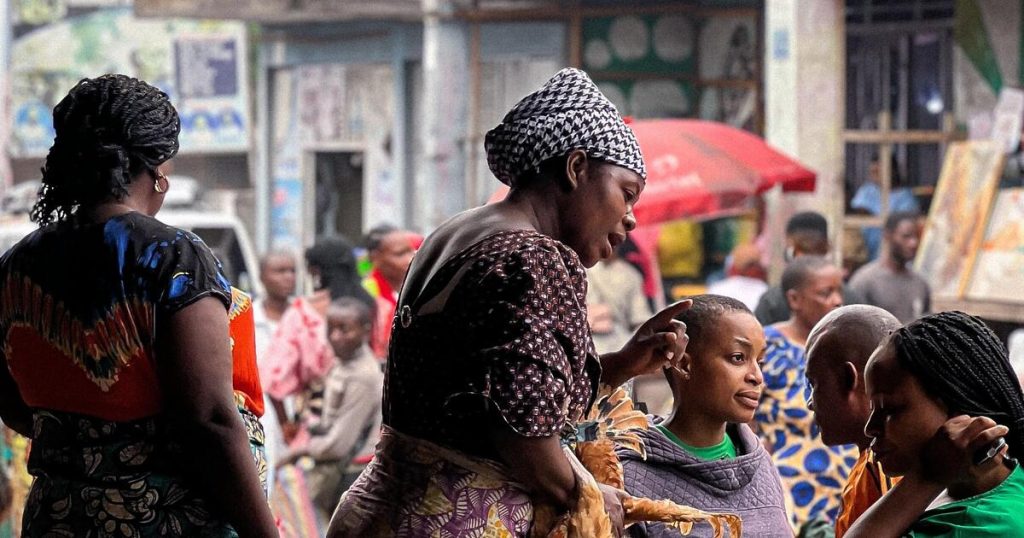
[(792, 298), (686, 365), (576, 169)]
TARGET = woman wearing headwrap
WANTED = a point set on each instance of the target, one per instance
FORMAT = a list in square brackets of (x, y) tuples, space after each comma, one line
[(491, 359)]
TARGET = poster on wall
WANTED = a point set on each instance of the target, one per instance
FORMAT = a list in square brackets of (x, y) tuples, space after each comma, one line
[(201, 65), (958, 214), (999, 269)]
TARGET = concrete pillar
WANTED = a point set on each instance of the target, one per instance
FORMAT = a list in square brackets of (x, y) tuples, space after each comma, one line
[(441, 173), (6, 174), (260, 133), (805, 102)]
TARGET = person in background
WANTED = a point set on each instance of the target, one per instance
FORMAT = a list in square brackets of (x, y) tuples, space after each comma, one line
[(838, 348), (616, 304), (124, 353), (745, 276), (890, 282), (812, 473), (806, 235), (277, 274), (704, 455), (947, 416), (680, 255), (868, 200), (390, 251), (299, 355), (348, 426)]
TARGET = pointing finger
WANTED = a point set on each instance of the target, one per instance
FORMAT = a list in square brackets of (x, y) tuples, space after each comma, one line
[(663, 318)]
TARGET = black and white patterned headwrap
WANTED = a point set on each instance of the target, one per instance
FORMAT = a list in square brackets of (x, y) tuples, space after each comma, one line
[(566, 113)]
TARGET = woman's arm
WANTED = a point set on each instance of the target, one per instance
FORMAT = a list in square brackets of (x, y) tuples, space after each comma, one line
[(946, 460), (658, 343), (195, 371), (897, 510), (13, 410), (538, 463)]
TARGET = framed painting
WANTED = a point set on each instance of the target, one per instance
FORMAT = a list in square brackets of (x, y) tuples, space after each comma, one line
[(959, 211), (999, 267)]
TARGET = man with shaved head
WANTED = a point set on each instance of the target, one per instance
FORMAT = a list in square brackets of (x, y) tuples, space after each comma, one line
[(838, 348)]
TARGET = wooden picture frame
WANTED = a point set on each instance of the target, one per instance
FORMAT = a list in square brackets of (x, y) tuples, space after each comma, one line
[(999, 267), (959, 211)]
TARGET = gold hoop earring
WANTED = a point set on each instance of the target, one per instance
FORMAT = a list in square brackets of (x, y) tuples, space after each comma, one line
[(156, 183)]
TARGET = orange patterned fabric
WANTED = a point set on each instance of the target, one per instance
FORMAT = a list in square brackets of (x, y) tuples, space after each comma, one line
[(248, 391), (79, 304), (866, 485)]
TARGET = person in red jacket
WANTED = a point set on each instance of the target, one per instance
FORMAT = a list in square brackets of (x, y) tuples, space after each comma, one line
[(390, 250)]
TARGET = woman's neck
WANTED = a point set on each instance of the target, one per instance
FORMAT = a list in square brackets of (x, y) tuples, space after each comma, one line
[(106, 210), (795, 330), (696, 429), (274, 307), (537, 208)]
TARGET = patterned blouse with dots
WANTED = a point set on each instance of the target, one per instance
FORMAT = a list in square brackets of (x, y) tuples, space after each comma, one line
[(813, 474), (511, 340)]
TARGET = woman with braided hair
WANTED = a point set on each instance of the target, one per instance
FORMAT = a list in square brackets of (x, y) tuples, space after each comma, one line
[(948, 415), (124, 353)]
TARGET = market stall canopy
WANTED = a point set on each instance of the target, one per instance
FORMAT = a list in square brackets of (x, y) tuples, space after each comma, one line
[(698, 168)]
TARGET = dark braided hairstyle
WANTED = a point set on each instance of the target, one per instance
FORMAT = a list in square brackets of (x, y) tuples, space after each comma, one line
[(109, 130), (961, 362), (337, 264)]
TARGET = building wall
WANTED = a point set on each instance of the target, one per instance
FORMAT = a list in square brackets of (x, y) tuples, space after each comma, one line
[(804, 101), (358, 87), (999, 40)]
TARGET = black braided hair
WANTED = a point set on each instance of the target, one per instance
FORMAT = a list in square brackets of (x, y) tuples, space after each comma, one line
[(109, 130), (337, 264), (961, 362)]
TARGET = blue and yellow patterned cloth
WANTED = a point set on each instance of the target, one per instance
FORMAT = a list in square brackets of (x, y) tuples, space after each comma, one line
[(813, 474)]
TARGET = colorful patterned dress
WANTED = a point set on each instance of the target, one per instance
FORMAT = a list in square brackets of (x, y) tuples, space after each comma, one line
[(499, 333), (80, 305), (813, 474)]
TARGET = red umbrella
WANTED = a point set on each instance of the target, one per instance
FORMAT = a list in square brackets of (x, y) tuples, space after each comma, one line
[(700, 168)]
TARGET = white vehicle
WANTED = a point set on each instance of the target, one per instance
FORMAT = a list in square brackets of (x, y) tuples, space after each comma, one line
[(223, 233)]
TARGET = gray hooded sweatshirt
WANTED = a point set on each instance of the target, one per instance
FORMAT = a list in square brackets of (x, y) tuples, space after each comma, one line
[(747, 485)]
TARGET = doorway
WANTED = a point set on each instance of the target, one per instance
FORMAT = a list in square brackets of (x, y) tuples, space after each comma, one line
[(338, 194)]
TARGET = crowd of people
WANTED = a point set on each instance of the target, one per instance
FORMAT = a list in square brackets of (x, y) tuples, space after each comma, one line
[(435, 395)]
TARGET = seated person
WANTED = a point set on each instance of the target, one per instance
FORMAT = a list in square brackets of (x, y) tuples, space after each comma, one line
[(868, 200), (960, 473), (350, 420), (704, 455), (837, 350)]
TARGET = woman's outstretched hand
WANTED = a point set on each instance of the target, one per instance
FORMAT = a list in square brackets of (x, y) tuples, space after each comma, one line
[(658, 343)]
